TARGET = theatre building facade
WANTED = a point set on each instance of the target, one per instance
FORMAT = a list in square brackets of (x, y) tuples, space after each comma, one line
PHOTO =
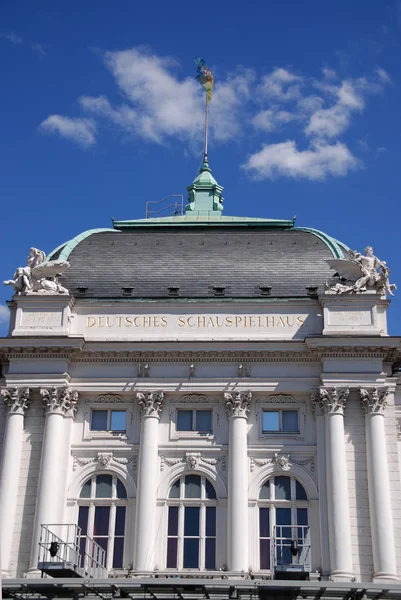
[(201, 405)]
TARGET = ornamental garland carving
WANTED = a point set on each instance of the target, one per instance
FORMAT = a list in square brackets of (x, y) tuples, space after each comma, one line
[(238, 403), (150, 403), (373, 400), (109, 399), (16, 400), (330, 400), (192, 460), (104, 460), (283, 462), (62, 401)]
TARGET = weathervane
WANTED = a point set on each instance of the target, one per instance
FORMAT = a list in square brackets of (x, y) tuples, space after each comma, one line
[(205, 78)]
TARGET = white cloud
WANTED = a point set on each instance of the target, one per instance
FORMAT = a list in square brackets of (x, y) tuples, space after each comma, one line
[(39, 49), (284, 159), (281, 85), (383, 75), (11, 37), (4, 314), (81, 131)]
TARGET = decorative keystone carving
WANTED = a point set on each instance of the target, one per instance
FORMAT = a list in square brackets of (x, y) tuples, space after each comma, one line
[(281, 461), (16, 400), (373, 400), (150, 403), (104, 460), (62, 401), (192, 460), (330, 400), (238, 404)]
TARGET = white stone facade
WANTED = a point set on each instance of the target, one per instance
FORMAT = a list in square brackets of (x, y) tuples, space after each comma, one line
[(330, 371)]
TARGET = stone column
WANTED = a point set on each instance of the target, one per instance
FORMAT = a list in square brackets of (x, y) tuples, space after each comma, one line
[(237, 407), (332, 402), (150, 407), (373, 402), (16, 402), (60, 407)]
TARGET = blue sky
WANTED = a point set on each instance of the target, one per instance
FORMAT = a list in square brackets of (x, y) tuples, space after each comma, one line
[(100, 112)]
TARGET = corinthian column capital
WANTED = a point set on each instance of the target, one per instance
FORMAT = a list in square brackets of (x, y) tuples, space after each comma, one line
[(373, 400), (330, 400), (238, 404), (150, 403), (62, 401), (16, 400)]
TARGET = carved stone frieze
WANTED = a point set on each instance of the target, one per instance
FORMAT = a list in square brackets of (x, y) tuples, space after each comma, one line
[(16, 400), (150, 403), (373, 400), (109, 399), (61, 400), (192, 460), (283, 462), (279, 399), (193, 399), (330, 400), (238, 404)]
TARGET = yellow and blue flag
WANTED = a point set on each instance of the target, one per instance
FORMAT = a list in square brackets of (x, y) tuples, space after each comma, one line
[(205, 78)]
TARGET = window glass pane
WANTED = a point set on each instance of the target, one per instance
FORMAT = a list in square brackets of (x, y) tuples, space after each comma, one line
[(302, 516), (121, 491), (184, 420), (101, 522), (264, 522), (86, 489), (271, 420), (209, 489), (83, 519), (211, 521), (265, 491), (191, 553), (283, 517), (118, 553), (118, 420), (172, 544), (290, 420), (203, 420), (300, 491), (282, 487), (265, 554), (192, 486), (175, 490), (210, 556), (173, 520), (103, 486), (120, 520), (102, 541), (191, 523), (99, 420)]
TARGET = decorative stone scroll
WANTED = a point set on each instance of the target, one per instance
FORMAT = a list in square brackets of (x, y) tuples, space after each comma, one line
[(193, 399), (39, 276), (280, 399), (109, 399), (150, 403), (283, 462), (238, 404), (16, 400), (373, 400), (330, 400), (62, 401)]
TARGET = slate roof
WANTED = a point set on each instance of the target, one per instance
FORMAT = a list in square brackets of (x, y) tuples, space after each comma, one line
[(202, 262)]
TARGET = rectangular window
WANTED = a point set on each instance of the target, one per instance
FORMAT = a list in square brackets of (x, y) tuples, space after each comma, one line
[(276, 421), (109, 420), (264, 537), (194, 420)]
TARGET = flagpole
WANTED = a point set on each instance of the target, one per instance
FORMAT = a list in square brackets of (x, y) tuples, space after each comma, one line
[(206, 128)]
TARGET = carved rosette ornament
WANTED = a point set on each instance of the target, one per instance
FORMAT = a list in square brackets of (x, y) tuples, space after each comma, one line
[(330, 400), (63, 401), (150, 403), (373, 400), (238, 404), (16, 400)]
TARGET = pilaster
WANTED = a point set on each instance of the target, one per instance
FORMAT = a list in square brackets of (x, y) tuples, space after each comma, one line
[(237, 407), (16, 401), (373, 403)]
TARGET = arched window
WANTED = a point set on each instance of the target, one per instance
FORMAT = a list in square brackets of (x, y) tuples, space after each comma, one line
[(191, 536), (283, 523), (101, 516)]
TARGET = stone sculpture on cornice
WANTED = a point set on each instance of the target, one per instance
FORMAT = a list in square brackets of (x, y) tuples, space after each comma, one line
[(39, 276), (361, 273)]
